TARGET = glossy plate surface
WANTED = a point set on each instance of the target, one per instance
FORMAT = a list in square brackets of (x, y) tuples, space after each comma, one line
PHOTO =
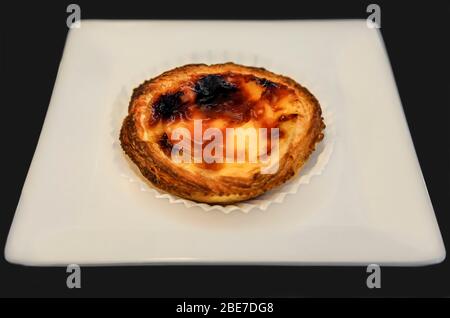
[(370, 205)]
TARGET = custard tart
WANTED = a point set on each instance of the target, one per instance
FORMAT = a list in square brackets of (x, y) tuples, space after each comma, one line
[(221, 133)]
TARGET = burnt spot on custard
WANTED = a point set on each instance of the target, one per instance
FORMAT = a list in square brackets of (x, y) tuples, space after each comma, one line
[(213, 89), (165, 144), (264, 82), (168, 107), (283, 118)]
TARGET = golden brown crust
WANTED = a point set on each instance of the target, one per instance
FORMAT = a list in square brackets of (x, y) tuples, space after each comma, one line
[(204, 185)]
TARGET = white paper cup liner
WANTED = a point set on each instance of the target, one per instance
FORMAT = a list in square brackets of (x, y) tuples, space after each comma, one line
[(313, 167)]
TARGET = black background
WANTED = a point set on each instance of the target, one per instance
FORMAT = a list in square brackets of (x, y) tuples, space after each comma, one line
[(32, 40)]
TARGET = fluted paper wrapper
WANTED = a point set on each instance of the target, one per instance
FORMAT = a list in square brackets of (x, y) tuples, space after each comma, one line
[(313, 167)]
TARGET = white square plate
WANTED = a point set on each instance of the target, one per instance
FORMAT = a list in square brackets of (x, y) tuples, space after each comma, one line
[(370, 205)]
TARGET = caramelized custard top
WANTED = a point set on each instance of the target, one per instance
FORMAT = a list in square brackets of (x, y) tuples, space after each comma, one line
[(222, 101), (233, 98)]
